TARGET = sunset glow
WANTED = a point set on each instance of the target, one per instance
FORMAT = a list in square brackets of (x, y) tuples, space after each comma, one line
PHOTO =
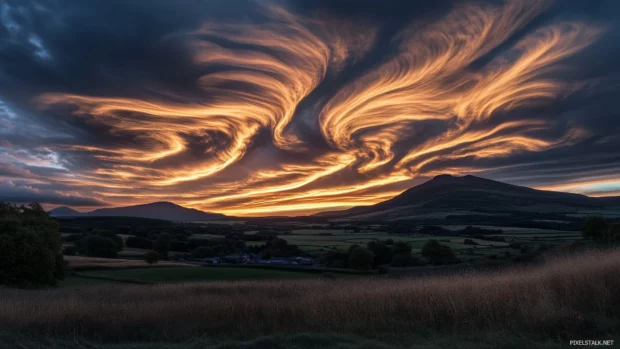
[(290, 114)]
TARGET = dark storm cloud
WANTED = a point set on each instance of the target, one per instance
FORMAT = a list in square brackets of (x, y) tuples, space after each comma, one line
[(15, 192), (127, 53)]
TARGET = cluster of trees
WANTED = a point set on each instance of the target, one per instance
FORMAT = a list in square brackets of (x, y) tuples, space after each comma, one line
[(600, 230), (30, 245), (276, 247), (388, 252)]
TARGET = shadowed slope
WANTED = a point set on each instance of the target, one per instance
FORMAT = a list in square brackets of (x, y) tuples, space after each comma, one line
[(471, 193)]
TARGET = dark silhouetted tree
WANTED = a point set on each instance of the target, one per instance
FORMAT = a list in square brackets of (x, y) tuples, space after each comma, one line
[(162, 245), (30, 243), (151, 257), (139, 242), (203, 252), (594, 228), (97, 246), (361, 259), (437, 253)]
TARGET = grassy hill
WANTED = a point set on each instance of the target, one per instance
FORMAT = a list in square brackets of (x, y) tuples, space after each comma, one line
[(449, 195)]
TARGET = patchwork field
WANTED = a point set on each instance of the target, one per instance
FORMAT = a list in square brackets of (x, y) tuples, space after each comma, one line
[(316, 240)]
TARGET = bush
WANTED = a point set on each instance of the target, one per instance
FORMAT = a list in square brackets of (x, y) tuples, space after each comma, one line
[(151, 257), (361, 259), (437, 253), (139, 242), (97, 246), (594, 228), (30, 245)]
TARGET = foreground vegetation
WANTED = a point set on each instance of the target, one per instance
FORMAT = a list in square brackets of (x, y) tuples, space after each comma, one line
[(420, 339), (567, 297)]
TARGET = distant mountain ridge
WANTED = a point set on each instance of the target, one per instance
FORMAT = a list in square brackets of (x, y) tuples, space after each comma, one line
[(446, 193), (155, 210)]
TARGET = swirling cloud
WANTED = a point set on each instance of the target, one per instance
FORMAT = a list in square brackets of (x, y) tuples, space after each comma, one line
[(292, 114)]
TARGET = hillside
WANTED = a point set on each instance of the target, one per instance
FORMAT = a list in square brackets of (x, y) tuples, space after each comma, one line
[(64, 211), (156, 210), (471, 194)]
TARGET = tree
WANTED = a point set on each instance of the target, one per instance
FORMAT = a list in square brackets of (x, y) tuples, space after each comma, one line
[(401, 247), (30, 245), (594, 228), (97, 246), (162, 245), (202, 252), (151, 257), (361, 259), (110, 235), (139, 242), (404, 260), (437, 253), (383, 253)]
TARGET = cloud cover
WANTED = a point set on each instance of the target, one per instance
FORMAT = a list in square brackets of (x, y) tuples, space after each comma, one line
[(255, 108)]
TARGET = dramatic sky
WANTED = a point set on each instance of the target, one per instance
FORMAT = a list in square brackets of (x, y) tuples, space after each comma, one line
[(294, 107)]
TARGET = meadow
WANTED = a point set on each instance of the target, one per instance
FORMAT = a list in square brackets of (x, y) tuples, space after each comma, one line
[(566, 297)]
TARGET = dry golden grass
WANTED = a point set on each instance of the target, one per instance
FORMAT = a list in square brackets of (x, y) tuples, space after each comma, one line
[(563, 297), (80, 262)]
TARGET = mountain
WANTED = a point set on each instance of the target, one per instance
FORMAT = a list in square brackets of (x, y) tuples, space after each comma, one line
[(156, 210), (64, 211), (449, 195)]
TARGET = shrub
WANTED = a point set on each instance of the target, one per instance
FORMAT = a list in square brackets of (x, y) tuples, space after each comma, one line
[(437, 253), (151, 257), (361, 259), (29, 247), (97, 246), (469, 242)]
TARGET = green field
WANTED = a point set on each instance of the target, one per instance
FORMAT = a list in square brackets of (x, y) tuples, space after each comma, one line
[(175, 274), (75, 281)]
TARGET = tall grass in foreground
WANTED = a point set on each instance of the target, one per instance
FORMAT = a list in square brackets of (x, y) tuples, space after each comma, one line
[(563, 297)]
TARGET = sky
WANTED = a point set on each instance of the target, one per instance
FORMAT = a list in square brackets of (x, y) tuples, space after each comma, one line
[(256, 108)]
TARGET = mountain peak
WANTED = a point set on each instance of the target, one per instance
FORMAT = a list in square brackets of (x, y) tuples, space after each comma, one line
[(64, 211), (448, 194), (442, 176), (156, 210)]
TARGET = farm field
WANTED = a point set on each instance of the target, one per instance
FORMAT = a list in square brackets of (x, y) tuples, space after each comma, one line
[(315, 240), (190, 274), (80, 262)]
